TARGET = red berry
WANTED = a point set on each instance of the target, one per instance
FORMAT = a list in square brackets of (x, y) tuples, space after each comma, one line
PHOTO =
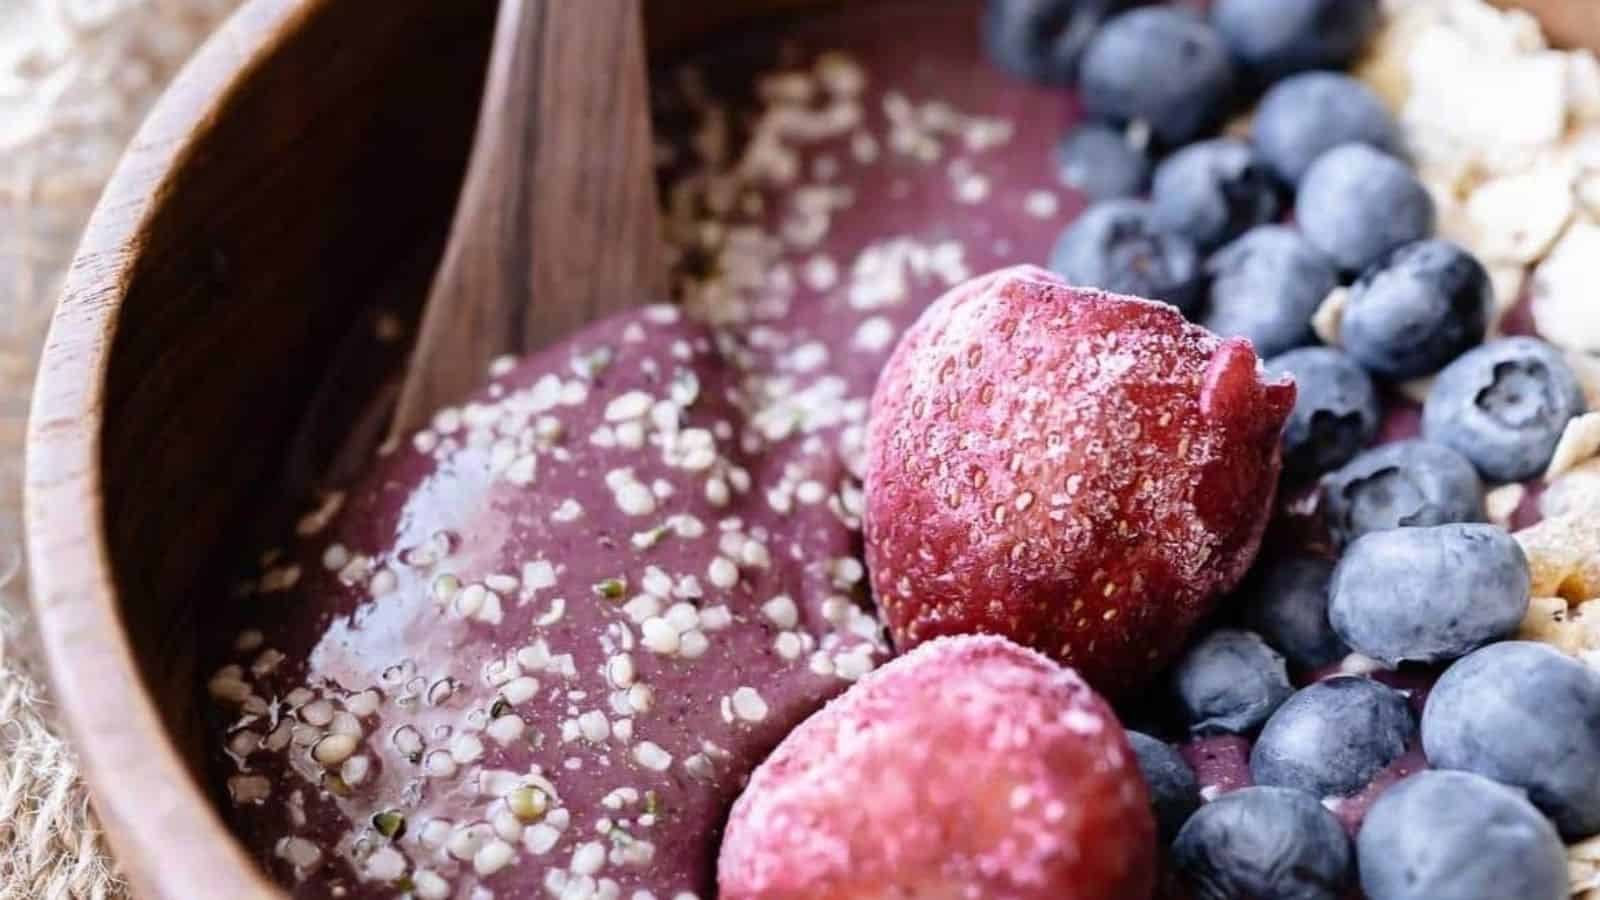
[(1079, 471), (970, 767)]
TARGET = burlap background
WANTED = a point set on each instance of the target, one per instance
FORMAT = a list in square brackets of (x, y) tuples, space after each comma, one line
[(76, 76)]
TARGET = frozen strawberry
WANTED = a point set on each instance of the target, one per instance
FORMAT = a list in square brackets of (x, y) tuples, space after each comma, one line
[(1079, 471), (970, 767)]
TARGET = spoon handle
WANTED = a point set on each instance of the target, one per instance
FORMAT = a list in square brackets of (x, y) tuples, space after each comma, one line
[(557, 223)]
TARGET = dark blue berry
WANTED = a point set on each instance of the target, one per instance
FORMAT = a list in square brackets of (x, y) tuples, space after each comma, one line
[(1421, 306), (1357, 204), (1332, 737), (1429, 594), (1229, 682), (1115, 247), (1101, 163), (1042, 40), (1526, 715), (1407, 483), (1213, 191), (1264, 842), (1266, 286), (1504, 406), (1304, 117), (1275, 38), (1336, 410), (1161, 66), (1458, 836), (1174, 792), (1287, 603)]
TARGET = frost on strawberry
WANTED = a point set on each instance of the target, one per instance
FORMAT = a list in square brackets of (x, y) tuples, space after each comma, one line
[(1082, 472), (970, 767)]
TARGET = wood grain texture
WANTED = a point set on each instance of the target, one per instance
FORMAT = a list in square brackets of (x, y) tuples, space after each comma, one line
[(237, 244), (1568, 23), (557, 224)]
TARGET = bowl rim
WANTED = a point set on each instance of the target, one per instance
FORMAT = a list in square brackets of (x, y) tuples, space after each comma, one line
[(155, 814)]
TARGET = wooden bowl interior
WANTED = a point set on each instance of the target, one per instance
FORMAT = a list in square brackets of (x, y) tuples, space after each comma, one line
[(316, 197), (325, 181)]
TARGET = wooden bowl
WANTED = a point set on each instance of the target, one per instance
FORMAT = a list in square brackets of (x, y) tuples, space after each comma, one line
[(302, 166)]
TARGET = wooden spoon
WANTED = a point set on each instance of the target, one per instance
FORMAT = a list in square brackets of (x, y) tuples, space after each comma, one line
[(1568, 23), (557, 221)]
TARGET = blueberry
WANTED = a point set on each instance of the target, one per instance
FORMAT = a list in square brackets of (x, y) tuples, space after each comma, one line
[(1357, 204), (1174, 792), (1042, 40), (1115, 247), (1266, 286), (1303, 117), (1275, 38), (1264, 842), (1336, 410), (1287, 603), (1429, 594), (1161, 66), (1332, 737), (1407, 483), (1229, 682), (1212, 191), (1458, 836), (1526, 715), (1102, 163), (1504, 406), (1421, 306)]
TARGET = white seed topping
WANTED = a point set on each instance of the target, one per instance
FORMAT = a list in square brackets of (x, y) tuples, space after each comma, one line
[(505, 729), (781, 611), (355, 769), (466, 841), (466, 748), (228, 688), (650, 755), (435, 832), (334, 749), (385, 864), (519, 690), (620, 670), (682, 617), (693, 644), (298, 852), (635, 499), (492, 857), (787, 643), (715, 618), (594, 726), (749, 705), (243, 789), (540, 838), (364, 703), (659, 636), (631, 405), (428, 885), (723, 573), (439, 764), (641, 697), (588, 858)]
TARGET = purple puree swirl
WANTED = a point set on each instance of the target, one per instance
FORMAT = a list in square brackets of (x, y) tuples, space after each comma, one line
[(538, 647)]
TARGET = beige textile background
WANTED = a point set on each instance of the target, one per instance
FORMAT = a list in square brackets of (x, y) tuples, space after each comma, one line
[(76, 77)]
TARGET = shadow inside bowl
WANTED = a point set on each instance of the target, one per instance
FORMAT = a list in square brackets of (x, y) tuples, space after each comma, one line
[(305, 219)]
